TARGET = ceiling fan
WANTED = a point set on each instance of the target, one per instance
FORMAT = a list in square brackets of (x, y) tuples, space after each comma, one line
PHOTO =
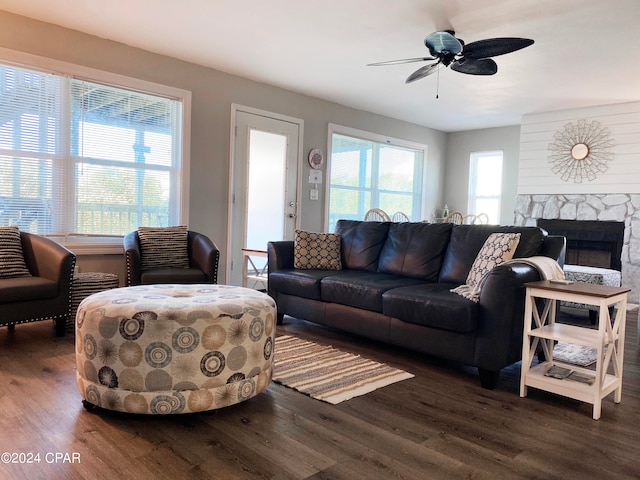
[(473, 58)]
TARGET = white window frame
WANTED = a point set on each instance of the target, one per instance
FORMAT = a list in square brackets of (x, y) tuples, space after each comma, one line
[(113, 245), (472, 197), (373, 137)]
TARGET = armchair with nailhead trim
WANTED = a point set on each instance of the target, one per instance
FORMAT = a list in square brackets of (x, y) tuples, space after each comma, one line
[(44, 293)]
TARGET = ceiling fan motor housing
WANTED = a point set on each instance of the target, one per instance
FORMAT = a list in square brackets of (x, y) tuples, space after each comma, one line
[(443, 45)]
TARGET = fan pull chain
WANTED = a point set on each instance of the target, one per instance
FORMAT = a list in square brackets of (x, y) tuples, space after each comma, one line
[(438, 84)]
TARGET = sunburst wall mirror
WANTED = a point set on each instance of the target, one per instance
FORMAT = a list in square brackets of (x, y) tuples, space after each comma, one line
[(581, 150)]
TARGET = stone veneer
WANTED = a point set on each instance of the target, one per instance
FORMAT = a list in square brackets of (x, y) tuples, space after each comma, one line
[(606, 207)]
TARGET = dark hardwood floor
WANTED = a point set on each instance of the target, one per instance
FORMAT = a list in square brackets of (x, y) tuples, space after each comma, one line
[(438, 425)]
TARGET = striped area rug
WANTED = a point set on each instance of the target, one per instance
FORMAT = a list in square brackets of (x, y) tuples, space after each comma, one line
[(327, 374)]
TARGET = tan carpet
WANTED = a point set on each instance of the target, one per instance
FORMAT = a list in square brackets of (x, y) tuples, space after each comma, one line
[(327, 374)]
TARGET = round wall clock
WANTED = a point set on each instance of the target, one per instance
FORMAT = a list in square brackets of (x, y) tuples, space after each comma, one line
[(580, 151), (316, 159)]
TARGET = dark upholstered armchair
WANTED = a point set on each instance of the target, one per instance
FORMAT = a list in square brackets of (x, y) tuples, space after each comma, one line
[(203, 257), (46, 293)]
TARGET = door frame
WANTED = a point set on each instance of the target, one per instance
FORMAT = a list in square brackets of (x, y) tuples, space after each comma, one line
[(235, 108)]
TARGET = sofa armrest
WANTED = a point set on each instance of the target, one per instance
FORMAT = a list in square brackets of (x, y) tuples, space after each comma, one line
[(204, 254), (502, 299), (133, 259), (48, 259), (555, 246), (280, 255)]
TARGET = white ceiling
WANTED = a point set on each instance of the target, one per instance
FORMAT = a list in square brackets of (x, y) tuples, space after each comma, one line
[(586, 52)]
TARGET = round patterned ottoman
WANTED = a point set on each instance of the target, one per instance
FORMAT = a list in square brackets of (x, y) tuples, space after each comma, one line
[(161, 349)]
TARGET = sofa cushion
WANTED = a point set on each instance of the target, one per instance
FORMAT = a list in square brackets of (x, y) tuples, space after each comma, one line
[(301, 283), (361, 289), (163, 247), (25, 289), (317, 250), (431, 305), (12, 262), (415, 249), (467, 240), (173, 275), (361, 243)]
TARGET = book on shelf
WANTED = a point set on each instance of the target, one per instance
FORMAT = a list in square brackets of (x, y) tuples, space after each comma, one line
[(582, 377), (556, 371)]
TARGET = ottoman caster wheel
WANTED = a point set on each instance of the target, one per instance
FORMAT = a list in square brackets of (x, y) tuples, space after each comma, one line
[(90, 407)]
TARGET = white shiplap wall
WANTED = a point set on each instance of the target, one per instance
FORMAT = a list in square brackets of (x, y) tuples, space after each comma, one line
[(623, 173)]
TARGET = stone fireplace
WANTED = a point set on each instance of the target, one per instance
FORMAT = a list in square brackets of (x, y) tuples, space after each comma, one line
[(602, 218), (592, 243)]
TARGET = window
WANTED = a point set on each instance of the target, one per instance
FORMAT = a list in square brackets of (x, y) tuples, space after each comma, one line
[(485, 184), (85, 159), (367, 171)]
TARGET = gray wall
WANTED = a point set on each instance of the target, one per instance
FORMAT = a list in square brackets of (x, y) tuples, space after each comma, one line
[(213, 93), (459, 148)]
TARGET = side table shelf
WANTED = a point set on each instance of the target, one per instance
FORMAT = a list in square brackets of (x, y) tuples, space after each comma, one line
[(541, 329), (568, 333)]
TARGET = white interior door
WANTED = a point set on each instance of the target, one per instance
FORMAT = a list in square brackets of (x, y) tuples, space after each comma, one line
[(264, 184)]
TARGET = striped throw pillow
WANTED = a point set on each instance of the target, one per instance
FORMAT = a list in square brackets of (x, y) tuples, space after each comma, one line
[(12, 263), (163, 247)]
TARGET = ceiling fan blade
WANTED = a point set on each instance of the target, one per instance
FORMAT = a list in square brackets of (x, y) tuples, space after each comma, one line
[(423, 72), (492, 47), (442, 43), (482, 66), (401, 61)]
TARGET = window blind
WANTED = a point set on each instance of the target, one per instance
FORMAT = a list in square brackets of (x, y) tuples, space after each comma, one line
[(30, 161), (84, 158)]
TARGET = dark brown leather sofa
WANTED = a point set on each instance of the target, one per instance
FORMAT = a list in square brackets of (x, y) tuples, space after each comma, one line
[(44, 295), (394, 287)]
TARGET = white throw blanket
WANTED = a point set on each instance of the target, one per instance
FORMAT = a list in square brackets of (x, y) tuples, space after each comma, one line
[(548, 268)]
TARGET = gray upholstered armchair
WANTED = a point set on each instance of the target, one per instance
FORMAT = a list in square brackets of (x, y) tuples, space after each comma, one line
[(202, 257), (42, 292)]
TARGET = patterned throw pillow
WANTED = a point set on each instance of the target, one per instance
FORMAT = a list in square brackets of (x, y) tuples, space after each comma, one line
[(317, 250), (497, 249), (12, 263), (163, 247)]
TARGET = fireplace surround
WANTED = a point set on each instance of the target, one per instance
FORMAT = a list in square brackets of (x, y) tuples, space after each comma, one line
[(606, 209), (592, 243)]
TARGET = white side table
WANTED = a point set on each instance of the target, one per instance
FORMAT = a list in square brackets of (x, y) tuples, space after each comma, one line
[(541, 328), (258, 274)]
